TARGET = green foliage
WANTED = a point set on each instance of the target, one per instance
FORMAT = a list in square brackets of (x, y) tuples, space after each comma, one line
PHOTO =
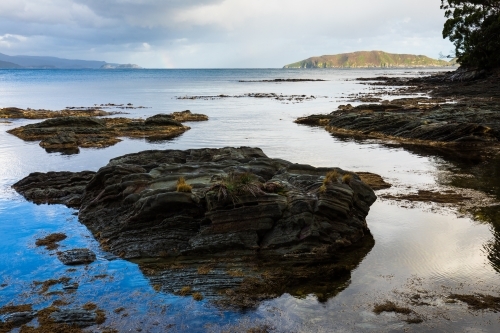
[(235, 184), (368, 59), (474, 28)]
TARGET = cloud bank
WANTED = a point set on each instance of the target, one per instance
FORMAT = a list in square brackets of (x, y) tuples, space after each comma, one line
[(218, 33)]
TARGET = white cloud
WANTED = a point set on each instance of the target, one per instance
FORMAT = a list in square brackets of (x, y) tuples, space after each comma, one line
[(218, 33), (7, 40)]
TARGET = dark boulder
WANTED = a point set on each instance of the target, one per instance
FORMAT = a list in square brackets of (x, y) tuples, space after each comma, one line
[(76, 257)]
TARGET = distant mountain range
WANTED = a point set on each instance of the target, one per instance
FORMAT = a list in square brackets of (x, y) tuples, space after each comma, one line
[(22, 61), (369, 59)]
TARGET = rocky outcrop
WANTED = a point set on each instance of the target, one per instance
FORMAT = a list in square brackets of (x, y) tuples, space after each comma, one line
[(54, 187), (171, 223), (76, 257), (232, 205), (415, 121), (16, 113), (183, 116), (67, 134), (284, 80), (132, 205)]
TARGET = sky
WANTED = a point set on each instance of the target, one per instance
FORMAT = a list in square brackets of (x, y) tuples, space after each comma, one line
[(218, 33)]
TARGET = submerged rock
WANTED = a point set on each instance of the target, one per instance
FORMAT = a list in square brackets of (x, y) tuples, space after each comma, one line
[(76, 257), (74, 317), (66, 134), (17, 318)]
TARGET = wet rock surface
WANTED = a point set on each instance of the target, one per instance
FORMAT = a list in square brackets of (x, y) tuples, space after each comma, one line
[(17, 113), (277, 97), (54, 187), (373, 180), (430, 196), (463, 110), (183, 116), (76, 317), (17, 318), (134, 205), (284, 80), (461, 85), (416, 122), (76, 257), (67, 134), (242, 215)]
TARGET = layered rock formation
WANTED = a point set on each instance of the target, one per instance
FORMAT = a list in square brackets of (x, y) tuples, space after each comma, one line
[(55, 187), (197, 205), (419, 121), (69, 133), (281, 208), (17, 113)]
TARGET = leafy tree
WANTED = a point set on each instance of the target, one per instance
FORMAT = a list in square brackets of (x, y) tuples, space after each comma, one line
[(474, 27)]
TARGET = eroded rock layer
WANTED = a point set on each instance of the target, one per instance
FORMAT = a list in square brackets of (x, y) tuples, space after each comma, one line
[(69, 133), (269, 206), (422, 121), (17, 113)]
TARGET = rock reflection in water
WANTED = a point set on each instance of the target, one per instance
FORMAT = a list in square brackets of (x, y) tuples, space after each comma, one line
[(468, 168), (492, 248), (242, 283)]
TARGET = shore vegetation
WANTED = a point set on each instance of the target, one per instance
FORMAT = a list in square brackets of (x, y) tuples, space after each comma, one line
[(474, 28)]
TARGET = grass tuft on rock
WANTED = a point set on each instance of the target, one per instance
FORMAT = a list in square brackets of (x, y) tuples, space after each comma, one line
[(202, 270), (346, 179), (236, 184), (182, 186), (184, 291), (197, 296), (332, 176)]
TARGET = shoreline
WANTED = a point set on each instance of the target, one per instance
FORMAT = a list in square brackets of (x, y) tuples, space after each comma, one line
[(459, 121)]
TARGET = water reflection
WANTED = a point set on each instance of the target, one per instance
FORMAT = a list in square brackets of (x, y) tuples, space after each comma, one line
[(492, 248), (63, 151), (245, 282), (468, 168)]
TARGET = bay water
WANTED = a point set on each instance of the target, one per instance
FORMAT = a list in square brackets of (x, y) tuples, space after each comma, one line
[(419, 248)]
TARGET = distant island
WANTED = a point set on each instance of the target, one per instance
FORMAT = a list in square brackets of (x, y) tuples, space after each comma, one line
[(370, 59), (39, 62)]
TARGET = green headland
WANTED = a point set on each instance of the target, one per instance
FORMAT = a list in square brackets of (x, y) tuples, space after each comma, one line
[(366, 59)]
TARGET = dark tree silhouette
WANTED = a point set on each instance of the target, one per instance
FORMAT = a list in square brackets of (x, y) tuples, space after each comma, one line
[(474, 27)]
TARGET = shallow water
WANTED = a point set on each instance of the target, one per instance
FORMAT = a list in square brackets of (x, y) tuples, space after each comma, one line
[(417, 247)]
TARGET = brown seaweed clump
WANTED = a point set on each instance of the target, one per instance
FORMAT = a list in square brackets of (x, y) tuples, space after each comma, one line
[(50, 241)]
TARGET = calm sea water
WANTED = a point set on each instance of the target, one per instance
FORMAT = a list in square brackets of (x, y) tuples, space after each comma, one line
[(417, 248)]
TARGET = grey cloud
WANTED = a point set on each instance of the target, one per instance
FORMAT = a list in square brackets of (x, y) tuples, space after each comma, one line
[(233, 33)]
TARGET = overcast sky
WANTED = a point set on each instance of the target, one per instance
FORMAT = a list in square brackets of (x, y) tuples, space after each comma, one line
[(218, 33)]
